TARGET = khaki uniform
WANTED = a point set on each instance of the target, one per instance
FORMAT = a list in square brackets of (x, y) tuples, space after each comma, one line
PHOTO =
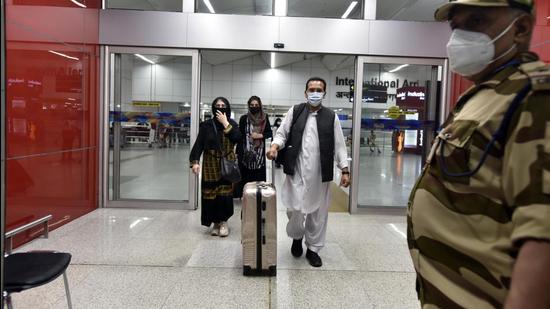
[(464, 231)]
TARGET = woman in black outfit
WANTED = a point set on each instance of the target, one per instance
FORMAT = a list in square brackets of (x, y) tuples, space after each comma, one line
[(255, 129), (216, 193)]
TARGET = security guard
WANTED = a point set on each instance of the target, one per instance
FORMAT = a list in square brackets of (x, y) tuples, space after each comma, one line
[(479, 215)]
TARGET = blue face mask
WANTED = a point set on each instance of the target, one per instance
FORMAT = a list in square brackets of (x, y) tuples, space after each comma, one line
[(315, 98)]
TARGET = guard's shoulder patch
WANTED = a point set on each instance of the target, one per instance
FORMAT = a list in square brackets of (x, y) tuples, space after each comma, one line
[(540, 78)]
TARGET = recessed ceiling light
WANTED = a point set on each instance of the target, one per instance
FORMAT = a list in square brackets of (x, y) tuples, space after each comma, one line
[(78, 3), (209, 6), (145, 58), (62, 55), (399, 68), (350, 9)]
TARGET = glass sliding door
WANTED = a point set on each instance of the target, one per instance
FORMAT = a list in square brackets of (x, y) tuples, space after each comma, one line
[(397, 108), (149, 122)]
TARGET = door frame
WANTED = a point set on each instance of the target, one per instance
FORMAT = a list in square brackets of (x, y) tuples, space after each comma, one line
[(357, 110), (106, 87)]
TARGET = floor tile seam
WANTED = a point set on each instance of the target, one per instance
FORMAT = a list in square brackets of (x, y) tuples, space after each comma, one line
[(73, 285), (211, 267), (348, 270), (172, 290), (238, 267), (269, 294), (126, 265)]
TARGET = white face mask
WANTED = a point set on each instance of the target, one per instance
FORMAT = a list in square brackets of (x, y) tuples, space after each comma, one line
[(471, 52), (315, 98)]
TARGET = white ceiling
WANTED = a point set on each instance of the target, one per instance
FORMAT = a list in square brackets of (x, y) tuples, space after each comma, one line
[(409, 10)]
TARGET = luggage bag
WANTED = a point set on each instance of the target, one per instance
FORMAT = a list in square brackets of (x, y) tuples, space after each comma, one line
[(259, 229)]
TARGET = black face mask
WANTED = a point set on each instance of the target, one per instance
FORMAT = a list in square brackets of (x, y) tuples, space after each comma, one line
[(222, 110), (255, 110)]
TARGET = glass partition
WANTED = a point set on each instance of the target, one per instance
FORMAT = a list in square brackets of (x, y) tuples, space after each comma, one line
[(149, 5), (242, 7), (352, 9), (399, 105), (151, 98)]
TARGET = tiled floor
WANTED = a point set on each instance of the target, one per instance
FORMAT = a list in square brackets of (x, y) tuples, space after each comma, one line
[(126, 258), (130, 258)]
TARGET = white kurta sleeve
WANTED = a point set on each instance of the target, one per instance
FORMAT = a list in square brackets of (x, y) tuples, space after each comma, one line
[(281, 136), (340, 150)]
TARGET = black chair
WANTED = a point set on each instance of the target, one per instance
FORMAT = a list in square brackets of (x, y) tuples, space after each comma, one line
[(27, 270)]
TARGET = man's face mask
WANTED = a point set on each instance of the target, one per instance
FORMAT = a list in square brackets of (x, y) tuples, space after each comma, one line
[(471, 52), (315, 98)]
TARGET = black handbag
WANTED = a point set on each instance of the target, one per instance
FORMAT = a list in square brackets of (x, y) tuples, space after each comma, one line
[(229, 169)]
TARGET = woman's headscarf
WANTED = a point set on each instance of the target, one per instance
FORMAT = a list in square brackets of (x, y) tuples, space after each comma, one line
[(257, 120)]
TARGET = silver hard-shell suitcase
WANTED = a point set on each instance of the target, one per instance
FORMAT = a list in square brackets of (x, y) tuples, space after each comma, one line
[(259, 229)]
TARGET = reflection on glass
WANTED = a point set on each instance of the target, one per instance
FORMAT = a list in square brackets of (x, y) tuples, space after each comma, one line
[(150, 5), (242, 7), (152, 124), (407, 10), (395, 109), (51, 111), (352, 9)]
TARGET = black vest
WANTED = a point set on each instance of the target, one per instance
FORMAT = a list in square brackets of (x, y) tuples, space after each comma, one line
[(325, 129)]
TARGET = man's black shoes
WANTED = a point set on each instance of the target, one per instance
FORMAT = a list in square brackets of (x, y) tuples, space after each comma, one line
[(296, 248), (313, 258)]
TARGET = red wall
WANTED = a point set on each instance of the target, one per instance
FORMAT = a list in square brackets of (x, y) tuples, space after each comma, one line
[(540, 45), (541, 36), (52, 106)]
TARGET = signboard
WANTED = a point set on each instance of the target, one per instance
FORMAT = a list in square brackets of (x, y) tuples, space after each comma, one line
[(394, 112), (375, 94), (146, 104), (411, 97)]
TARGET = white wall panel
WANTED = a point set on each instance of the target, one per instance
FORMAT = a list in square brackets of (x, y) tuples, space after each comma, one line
[(261, 74), (143, 28), (300, 75), (142, 69), (409, 39), (242, 73), (320, 72), (163, 87), (297, 90), (182, 87), (241, 90), (206, 89), (311, 35), (206, 71), (141, 86), (261, 89), (280, 91), (245, 61), (222, 72), (281, 76), (221, 89), (163, 98), (163, 71), (233, 31), (324, 35)]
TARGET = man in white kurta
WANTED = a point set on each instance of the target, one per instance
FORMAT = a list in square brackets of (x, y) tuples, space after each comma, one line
[(304, 194)]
